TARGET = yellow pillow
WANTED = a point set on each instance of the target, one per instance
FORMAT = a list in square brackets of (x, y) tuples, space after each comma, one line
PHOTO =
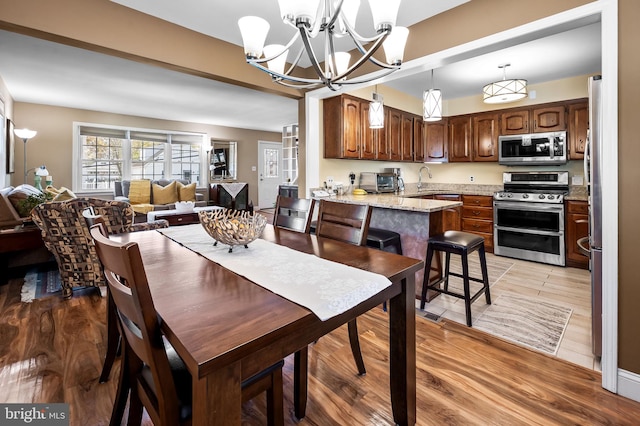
[(165, 194), (140, 191), (187, 192), (64, 194)]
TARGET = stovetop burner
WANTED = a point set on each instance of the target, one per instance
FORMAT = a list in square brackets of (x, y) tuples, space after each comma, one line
[(534, 187)]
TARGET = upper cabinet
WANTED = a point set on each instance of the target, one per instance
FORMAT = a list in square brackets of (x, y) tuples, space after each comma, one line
[(578, 126), (459, 129), (486, 130), (463, 138), (549, 119)]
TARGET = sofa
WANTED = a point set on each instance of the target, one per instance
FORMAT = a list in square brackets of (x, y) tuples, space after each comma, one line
[(16, 202), (152, 195)]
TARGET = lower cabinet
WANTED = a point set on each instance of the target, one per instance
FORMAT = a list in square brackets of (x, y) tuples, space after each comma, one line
[(477, 217), (576, 227), (452, 216)]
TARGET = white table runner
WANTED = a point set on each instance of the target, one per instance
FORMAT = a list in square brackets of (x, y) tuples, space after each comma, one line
[(326, 288)]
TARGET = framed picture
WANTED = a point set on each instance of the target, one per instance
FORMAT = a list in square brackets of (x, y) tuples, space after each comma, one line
[(11, 154)]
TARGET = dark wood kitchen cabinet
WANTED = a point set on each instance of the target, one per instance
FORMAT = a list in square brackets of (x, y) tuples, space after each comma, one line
[(436, 139), (394, 126), (451, 216), (370, 138), (419, 140), (577, 226), (514, 122), (406, 137), (486, 130), (459, 131), (549, 119), (477, 217), (342, 127), (578, 126)]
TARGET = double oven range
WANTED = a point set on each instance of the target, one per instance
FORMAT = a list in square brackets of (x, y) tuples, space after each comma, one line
[(528, 216)]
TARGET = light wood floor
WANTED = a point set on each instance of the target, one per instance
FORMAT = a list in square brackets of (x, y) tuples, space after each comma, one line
[(567, 287), (51, 351)]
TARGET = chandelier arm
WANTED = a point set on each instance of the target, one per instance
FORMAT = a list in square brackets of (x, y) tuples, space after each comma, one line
[(335, 15), (367, 80), (311, 53), (277, 75), (294, 64), (288, 46), (366, 55), (356, 36), (362, 50)]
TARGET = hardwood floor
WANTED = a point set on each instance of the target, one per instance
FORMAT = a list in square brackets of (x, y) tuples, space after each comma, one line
[(51, 351)]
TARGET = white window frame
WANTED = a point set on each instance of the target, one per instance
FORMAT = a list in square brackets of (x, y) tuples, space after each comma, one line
[(127, 163)]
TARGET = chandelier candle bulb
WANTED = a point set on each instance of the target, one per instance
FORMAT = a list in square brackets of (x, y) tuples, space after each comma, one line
[(254, 32), (394, 45)]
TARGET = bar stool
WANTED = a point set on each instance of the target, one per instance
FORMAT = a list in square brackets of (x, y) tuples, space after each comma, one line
[(460, 243), (377, 238)]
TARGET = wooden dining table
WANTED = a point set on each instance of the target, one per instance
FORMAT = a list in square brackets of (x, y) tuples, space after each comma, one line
[(227, 328)]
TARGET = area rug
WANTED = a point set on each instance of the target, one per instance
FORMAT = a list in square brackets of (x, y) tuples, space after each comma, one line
[(496, 268), (531, 322), (40, 283)]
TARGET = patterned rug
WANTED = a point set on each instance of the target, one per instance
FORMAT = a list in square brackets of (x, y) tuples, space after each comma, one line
[(40, 283), (534, 323)]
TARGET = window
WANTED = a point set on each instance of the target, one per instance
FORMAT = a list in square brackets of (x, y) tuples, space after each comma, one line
[(109, 154)]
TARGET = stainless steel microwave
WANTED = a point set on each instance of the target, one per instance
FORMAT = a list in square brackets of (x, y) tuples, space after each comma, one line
[(533, 149)]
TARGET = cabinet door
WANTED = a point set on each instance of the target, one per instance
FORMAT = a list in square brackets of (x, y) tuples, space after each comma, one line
[(351, 128), (459, 139), (407, 137), (452, 216), (578, 125), (436, 138), (419, 148), (394, 135), (485, 137), (577, 226), (514, 122), (549, 119), (368, 135)]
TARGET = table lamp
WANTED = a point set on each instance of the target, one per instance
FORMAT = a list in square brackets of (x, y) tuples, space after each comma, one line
[(40, 172), (25, 135)]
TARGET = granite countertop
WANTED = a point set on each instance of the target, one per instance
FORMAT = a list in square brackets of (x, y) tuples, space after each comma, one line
[(408, 199)]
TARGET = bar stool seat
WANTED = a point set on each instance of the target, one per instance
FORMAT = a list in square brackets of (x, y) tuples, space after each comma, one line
[(459, 243)]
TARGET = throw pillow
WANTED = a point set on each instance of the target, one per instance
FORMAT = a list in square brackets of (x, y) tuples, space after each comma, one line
[(18, 197), (140, 191), (165, 194), (187, 192), (64, 194)]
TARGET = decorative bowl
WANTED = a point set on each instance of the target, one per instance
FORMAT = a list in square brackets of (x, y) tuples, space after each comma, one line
[(185, 206), (232, 227)]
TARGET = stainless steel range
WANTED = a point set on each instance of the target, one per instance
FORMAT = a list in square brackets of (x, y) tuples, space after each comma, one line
[(528, 216)]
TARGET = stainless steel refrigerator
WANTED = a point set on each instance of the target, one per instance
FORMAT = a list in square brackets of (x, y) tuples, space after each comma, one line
[(593, 176)]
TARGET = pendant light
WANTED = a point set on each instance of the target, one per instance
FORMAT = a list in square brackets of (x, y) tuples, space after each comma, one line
[(432, 103), (506, 90), (376, 111)]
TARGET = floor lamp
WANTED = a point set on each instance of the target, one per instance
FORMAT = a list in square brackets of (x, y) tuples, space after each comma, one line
[(25, 135)]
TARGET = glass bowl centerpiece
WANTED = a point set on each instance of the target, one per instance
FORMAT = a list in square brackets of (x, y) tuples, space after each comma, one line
[(232, 227)]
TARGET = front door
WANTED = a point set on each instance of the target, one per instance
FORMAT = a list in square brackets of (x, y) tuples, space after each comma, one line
[(269, 173)]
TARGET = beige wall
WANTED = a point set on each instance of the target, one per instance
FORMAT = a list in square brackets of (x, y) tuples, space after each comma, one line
[(53, 144), (6, 98)]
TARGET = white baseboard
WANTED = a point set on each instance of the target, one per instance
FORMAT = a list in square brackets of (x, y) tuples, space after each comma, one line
[(629, 385)]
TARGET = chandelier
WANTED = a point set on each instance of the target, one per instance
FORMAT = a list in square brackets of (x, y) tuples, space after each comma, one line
[(505, 90), (335, 19)]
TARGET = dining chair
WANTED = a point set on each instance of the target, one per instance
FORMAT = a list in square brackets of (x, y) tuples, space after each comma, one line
[(152, 373), (348, 223), (294, 213)]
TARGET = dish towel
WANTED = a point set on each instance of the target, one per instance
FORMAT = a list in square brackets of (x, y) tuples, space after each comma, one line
[(326, 288)]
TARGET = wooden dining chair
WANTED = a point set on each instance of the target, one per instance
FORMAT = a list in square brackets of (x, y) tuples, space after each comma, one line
[(294, 213), (348, 223), (152, 372)]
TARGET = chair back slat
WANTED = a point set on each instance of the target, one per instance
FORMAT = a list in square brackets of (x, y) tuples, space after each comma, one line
[(344, 222), (294, 213)]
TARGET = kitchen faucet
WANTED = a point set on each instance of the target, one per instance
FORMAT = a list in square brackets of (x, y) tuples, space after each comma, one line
[(419, 185)]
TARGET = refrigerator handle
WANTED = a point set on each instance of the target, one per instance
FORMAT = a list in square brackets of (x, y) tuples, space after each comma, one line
[(587, 152)]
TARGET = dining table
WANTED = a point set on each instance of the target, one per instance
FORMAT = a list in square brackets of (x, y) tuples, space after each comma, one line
[(227, 327)]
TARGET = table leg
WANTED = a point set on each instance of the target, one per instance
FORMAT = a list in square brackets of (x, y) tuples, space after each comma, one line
[(217, 398), (300, 381), (402, 346)]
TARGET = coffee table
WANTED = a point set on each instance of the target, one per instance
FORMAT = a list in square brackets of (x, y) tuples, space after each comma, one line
[(179, 217)]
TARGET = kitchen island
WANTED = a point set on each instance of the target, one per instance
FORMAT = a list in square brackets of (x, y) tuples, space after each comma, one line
[(414, 218)]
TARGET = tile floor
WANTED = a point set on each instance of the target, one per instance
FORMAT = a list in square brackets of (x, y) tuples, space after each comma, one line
[(568, 287)]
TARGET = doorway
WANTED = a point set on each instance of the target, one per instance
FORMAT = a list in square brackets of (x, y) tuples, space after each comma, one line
[(269, 173)]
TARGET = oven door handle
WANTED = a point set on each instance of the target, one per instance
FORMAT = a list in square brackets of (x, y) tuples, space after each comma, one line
[(529, 206), (529, 231)]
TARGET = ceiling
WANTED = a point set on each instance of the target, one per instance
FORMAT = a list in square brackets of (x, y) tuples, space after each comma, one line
[(49, 73)]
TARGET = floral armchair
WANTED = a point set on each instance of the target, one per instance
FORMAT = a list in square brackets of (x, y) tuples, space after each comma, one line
[(66, 235)]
